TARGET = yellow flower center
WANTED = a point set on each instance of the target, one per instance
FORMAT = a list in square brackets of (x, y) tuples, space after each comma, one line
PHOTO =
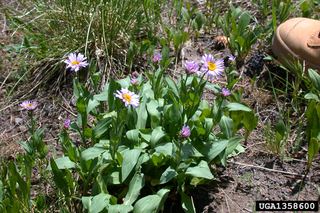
[(29, 105), (212, 66), (127, 97), (75, 62)]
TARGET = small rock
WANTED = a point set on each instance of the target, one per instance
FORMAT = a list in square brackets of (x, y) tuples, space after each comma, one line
[(18, 120), (23, 128)]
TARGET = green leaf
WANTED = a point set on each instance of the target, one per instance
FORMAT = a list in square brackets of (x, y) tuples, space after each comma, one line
[(76, 88), (91, 105), (187, 203), (15, 179), (142, 115), (168, 175), (86, 201), (113, 87), (26, 146), (202, 171), (226, 125), (130, 159), (158, 159), (133, 135), (59, 178), (125, 82), (81, 105), (213, 87), (151, 203), (233, 145), (120, 208), (92, 153), (114, 178), (136, 184), (244, 22), (311, 96), (188, 150), (250, 121), (147, 92), (1, 191), (156, 136), (313, 149), (64, 163), (101, 127), (103, 96), (173, 86), (165, 149), (99, 202), (152, 107), (146, 134), (211, 150), (238, 107), (315, 78)]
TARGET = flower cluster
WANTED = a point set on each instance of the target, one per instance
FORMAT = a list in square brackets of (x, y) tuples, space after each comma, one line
[(156, 57), (29, 105), (67, 123), (128, 97), (210, 67), (191, 67), (225, 92), (76, 61), (185, 131)]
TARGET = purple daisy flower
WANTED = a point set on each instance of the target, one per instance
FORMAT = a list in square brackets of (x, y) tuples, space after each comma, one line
[(76, 61), (156, 57), (66, 123), (191, 67), (134, 81), (225, 92), (231, 57), (185, 131), (128, 97), (211, 66), (29, 105)]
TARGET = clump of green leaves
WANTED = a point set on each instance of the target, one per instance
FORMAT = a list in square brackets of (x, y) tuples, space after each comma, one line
[(141, 149), (237, 26), (277, 137), (313, 117), (131, 159), (16, 177)]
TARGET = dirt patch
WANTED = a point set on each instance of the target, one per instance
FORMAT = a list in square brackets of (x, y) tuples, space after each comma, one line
[(257, 175)]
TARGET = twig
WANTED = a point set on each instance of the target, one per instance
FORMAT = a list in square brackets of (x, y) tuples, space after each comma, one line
[(65, 101), (254, 145), (4, 24), (74, 115), (10, 105), (52, 139), (227, 203), (5, 80), (227, 196), (7, 130), (267, 169)]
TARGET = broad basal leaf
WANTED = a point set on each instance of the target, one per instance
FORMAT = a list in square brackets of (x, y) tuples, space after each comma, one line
[(202, 171), (136, 184), (130, 159), (238, 107), (156, 136), (168, 175), (64, 163), (151, 203)]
